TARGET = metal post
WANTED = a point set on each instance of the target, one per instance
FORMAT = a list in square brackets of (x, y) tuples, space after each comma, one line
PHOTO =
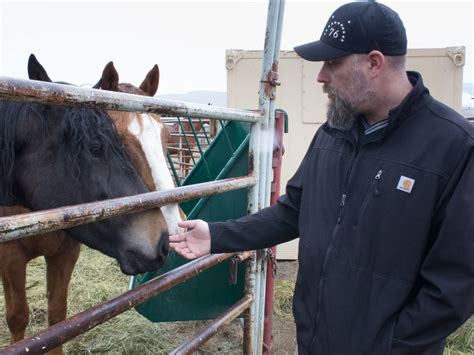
[(259, 157), (271, 262)]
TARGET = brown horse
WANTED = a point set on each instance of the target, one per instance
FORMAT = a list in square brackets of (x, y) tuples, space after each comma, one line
[(60, 251), (145, 137)]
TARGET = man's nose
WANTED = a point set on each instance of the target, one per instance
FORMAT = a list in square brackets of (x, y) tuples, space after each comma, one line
[(323, 75)]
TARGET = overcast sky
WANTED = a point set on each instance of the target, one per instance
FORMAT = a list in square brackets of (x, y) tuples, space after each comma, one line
[(74, 40)]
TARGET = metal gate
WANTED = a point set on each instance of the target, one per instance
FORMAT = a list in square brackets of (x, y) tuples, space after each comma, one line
[(258, 183)]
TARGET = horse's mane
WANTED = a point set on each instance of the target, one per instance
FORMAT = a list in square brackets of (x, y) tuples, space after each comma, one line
[(7, 151), (86, 134)]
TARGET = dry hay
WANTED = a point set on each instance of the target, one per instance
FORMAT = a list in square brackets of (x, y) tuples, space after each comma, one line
[(462, 341), (97, 278)]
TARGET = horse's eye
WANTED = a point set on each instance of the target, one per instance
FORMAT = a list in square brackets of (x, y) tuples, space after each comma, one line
[(96, 150)]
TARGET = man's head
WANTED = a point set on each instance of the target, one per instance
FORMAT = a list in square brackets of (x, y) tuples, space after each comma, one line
[(350, 92), (357, 28), (362, 44)]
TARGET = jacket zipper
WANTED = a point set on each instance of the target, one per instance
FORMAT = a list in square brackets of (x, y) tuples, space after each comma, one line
[(373, 190), (377, 179), (342, 204)]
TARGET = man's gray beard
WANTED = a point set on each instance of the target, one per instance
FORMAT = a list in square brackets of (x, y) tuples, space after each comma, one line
[(340, 115)]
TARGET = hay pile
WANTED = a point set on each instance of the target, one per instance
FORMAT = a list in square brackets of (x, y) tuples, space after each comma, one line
[(96, 279)]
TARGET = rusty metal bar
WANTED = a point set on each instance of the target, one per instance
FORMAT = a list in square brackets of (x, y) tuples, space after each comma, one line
[(15, 227), (68, 95), (184, 164), (183, 149), (205, 333), (61, 332), (244, 255)]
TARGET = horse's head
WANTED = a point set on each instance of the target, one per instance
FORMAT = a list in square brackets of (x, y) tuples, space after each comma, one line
[(145, 137), (56, 156)]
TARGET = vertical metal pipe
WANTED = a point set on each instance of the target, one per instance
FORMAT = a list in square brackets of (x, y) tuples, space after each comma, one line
[(276, 59), (268, 168), (271, 263), (258, 153)]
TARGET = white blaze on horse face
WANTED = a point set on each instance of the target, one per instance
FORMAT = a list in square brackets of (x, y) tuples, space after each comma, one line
[(149, 136)]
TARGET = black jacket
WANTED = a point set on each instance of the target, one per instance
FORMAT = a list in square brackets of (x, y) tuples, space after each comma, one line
[(386, 252)]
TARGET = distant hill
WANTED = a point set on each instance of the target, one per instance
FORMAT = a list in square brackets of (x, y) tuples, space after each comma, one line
[(215, 98)]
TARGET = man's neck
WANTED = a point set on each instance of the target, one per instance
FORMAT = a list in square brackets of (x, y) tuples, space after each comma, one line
[(391, 97)]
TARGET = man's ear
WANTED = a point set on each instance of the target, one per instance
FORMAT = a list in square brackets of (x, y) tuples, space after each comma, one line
[(376, 62)]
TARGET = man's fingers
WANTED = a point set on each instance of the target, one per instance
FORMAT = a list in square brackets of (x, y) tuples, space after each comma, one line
[(176, 246), (188, 224), (177, 237)]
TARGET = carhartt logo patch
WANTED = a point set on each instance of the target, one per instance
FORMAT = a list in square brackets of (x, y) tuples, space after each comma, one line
[(405, 184)]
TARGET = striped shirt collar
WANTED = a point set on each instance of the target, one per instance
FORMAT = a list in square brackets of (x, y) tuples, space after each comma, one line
[(369, 129)]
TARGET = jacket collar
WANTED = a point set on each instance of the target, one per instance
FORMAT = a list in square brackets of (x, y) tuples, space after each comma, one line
[(412, 103)]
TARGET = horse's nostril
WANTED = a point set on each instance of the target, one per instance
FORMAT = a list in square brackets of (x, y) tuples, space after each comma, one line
[(164, 245)]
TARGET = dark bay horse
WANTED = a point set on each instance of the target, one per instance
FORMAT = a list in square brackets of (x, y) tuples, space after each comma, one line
[(54, 156)]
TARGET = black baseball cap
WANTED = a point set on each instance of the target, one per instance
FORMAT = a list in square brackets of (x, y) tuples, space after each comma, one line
[(358, 27)]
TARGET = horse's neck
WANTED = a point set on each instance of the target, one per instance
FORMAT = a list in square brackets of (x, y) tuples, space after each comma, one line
[(46, 244)]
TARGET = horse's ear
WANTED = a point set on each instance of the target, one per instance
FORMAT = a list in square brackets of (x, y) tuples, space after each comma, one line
[(150, 84), (110, 78), (36, 70)]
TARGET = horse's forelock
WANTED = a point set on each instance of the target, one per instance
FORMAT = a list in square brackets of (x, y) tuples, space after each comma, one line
[(90, 134), (131, 89)]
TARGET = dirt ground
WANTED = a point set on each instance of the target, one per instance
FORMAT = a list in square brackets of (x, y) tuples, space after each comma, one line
[(229, 339), (284, 330), (97, 278)]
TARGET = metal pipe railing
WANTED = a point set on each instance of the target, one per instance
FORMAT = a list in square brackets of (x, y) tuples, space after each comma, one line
[(205, 333), (259, 157), (18, 226), (61, 332), (68, 95)]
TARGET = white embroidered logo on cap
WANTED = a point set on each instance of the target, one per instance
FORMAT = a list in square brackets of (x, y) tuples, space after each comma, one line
[(405, 184), (336, 30)]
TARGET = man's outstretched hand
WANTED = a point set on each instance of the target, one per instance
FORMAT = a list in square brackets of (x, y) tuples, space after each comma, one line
[(195, 242)]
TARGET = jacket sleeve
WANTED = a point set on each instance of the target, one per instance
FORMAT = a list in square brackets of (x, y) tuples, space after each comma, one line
[(266, 228), (446, 297)]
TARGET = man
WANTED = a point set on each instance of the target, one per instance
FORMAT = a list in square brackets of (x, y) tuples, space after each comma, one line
[(383, 202)]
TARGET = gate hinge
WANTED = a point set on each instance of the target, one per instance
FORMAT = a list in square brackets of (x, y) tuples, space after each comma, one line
[(271, 83), (234, 265)]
